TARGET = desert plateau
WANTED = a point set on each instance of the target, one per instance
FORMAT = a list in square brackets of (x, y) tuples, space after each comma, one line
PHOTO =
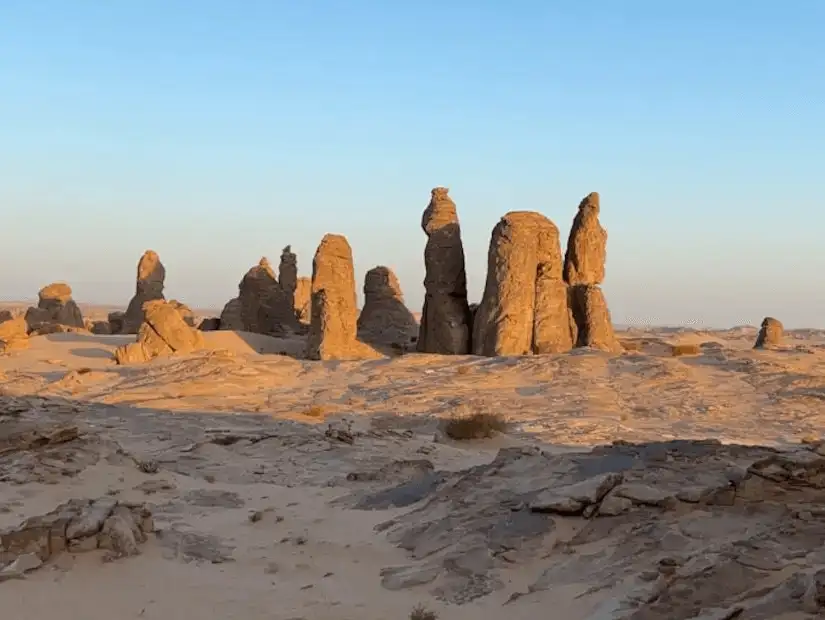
[(295, 457)]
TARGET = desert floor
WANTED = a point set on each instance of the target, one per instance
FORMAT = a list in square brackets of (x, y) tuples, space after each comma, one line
[(287, 489)]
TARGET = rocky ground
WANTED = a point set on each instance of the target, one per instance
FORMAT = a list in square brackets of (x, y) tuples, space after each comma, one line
[(240, 484)]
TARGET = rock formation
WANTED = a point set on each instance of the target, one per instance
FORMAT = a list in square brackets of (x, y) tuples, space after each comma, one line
[(770, 334), (524, 307), (210, 324), (55, 306), (445, 318), (262, 306), (151, 275), (288, 272), (14, 333), (384, 319), (584, 270), (185, 312), (230, 318), (303, 300), (593, 325), (584, 260), (333, 326), (163, 333), (116, 320)]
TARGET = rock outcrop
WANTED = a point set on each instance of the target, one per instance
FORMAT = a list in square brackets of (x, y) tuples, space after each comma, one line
[(445, 318), (770, 334), (303, 300), (384, 319), (524, 308), (586, 255), (593, 325), (185, 312), (55, 306), (334, 322), (116, 320), (163, 333), (151, 275), (14, 334), (230, 318), (584, 270), (262, 306), (288, 272)]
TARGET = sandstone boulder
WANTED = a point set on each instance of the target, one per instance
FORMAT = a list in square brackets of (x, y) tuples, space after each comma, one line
[(384, 319), (770, 334), (163, 333), (14, 334), (593, 325), (185, 312), (210, 324), (55, 306), (445, 318), (303, 300), (524, 307), (584, 261), (151, 275), (116, 320), (334, 314)]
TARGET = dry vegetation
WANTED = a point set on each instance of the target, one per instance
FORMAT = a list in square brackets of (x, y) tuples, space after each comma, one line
[(422, 613), (479, 425)]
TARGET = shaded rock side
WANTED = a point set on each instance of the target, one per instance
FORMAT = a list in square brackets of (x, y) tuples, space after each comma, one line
[(163, 333), (770, 334), (523, 268), (230, 318), (288, 271), (445, 318), (55, 305), (584, 260), (593, 325), (151, 275), (265, 307), (385, 320), (334, 315)]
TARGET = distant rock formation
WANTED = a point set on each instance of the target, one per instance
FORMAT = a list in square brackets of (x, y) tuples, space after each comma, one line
[(333, 326), (14, 333), (584, 260), (230, 318), (151, 275), (288, 272), (303, 300), (210, 324), (445, 318), (55, 306), (524, 308), (384, 319), (265, 308), (770, 334), (163, 333), (593, 324), (584, 270), (116, 320)]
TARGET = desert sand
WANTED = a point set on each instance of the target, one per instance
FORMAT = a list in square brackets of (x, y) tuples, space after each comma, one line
[(283, 488)]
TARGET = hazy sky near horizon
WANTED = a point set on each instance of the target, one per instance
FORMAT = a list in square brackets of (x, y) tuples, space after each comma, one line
[(216, 132)]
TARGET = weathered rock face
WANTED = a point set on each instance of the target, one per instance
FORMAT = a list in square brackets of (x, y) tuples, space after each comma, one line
[(265, 307), (185, 312), (584, 261), (288, 271), (770, 334), (55, 306), (163, 333), (151, 275), (116, 320), (593, 325), (230, 318), (14, 334), (445, 318), (334, 321), (384, 319), (524, 307), (303, 300)]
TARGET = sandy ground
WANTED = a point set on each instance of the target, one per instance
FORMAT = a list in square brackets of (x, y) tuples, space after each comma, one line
[(247, 430)]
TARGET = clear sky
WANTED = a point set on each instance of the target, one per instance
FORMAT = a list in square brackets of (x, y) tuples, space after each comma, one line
[(218, 132)]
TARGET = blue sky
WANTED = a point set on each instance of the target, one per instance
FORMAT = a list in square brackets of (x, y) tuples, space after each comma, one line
[(218, 132)]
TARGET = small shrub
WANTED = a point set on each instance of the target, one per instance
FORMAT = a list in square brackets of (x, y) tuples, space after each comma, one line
[(420, 612), (316, 411), (684, 349), (84, 371), (475, 426)]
